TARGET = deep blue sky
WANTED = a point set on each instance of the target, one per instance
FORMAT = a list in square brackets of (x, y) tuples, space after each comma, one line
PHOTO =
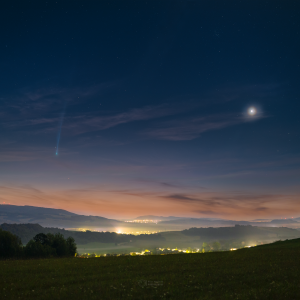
[(148, 108)]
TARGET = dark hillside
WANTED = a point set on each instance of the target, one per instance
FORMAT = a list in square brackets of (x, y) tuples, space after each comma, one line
[(50, 217), (27, 231), (293, 243), (33, 210), (265, 272), (242, 232)]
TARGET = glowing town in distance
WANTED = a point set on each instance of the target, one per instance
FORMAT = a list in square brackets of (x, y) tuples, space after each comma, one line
[(159, 251)]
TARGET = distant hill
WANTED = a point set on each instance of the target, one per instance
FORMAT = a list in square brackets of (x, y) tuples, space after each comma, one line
[(284, 221), (52, 217), (27, 231), (33, 210), (151, 217), (205, 222), (171, 218), (240, 232)]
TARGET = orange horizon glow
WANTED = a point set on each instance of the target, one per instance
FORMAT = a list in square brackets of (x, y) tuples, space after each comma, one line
[(131, 204)]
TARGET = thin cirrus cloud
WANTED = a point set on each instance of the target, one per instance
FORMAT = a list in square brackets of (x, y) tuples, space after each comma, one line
[(248, 198), (229, 200), (189, 129), (77, 124), (22, 111), (21, 108), (159, 183), (237, 203), (207, 203), (88, 123)]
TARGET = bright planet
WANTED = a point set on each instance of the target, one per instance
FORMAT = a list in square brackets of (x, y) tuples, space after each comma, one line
[(252, 111)]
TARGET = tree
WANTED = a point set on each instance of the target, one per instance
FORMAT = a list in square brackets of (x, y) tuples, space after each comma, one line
[(43, 245), (38, 250), (72, 248), (205, 246), (42, 239), (216, 246), (59, 244), (40, 246), (10, 245)]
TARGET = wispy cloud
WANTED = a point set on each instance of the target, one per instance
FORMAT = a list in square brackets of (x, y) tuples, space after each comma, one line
[(237, 203), (207, 212), (13, 153), (160, 183), (38, 111), (91, 198), (91, 122), (136, 193), (189, 129), (42, 106), (181, 198)]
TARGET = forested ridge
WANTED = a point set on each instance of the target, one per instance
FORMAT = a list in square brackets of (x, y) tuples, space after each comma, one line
[(27, 231)]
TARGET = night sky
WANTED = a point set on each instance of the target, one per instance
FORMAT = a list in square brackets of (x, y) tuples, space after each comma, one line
[(121, 112)]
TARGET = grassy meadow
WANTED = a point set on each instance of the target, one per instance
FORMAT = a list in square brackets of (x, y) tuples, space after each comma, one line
[(263, 272), (103, 248)]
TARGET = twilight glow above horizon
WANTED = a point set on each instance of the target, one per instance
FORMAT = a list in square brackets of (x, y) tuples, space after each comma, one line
[(151, 112)]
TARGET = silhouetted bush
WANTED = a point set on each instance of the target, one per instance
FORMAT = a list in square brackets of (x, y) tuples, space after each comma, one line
[(10, 245), (47, 245), (42, 238), (72, 248), (42, 245), (38, 250)]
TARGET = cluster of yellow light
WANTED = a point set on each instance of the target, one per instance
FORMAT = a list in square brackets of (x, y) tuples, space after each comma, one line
[(136, 232), (179, 250), (146, 252), (82, 229), (232, 249)]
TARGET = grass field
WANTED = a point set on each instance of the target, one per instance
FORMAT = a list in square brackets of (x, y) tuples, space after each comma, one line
[(103, 248), (264, 272)]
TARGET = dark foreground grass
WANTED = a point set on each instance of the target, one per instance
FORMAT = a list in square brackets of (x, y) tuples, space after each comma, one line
[(265, 272)]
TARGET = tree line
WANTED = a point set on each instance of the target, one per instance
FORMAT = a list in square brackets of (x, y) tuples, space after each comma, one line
[(41, 246)]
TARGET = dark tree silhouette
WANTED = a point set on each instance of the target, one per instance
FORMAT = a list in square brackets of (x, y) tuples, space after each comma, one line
[(10, 245), (42, 238), (47, 245)]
